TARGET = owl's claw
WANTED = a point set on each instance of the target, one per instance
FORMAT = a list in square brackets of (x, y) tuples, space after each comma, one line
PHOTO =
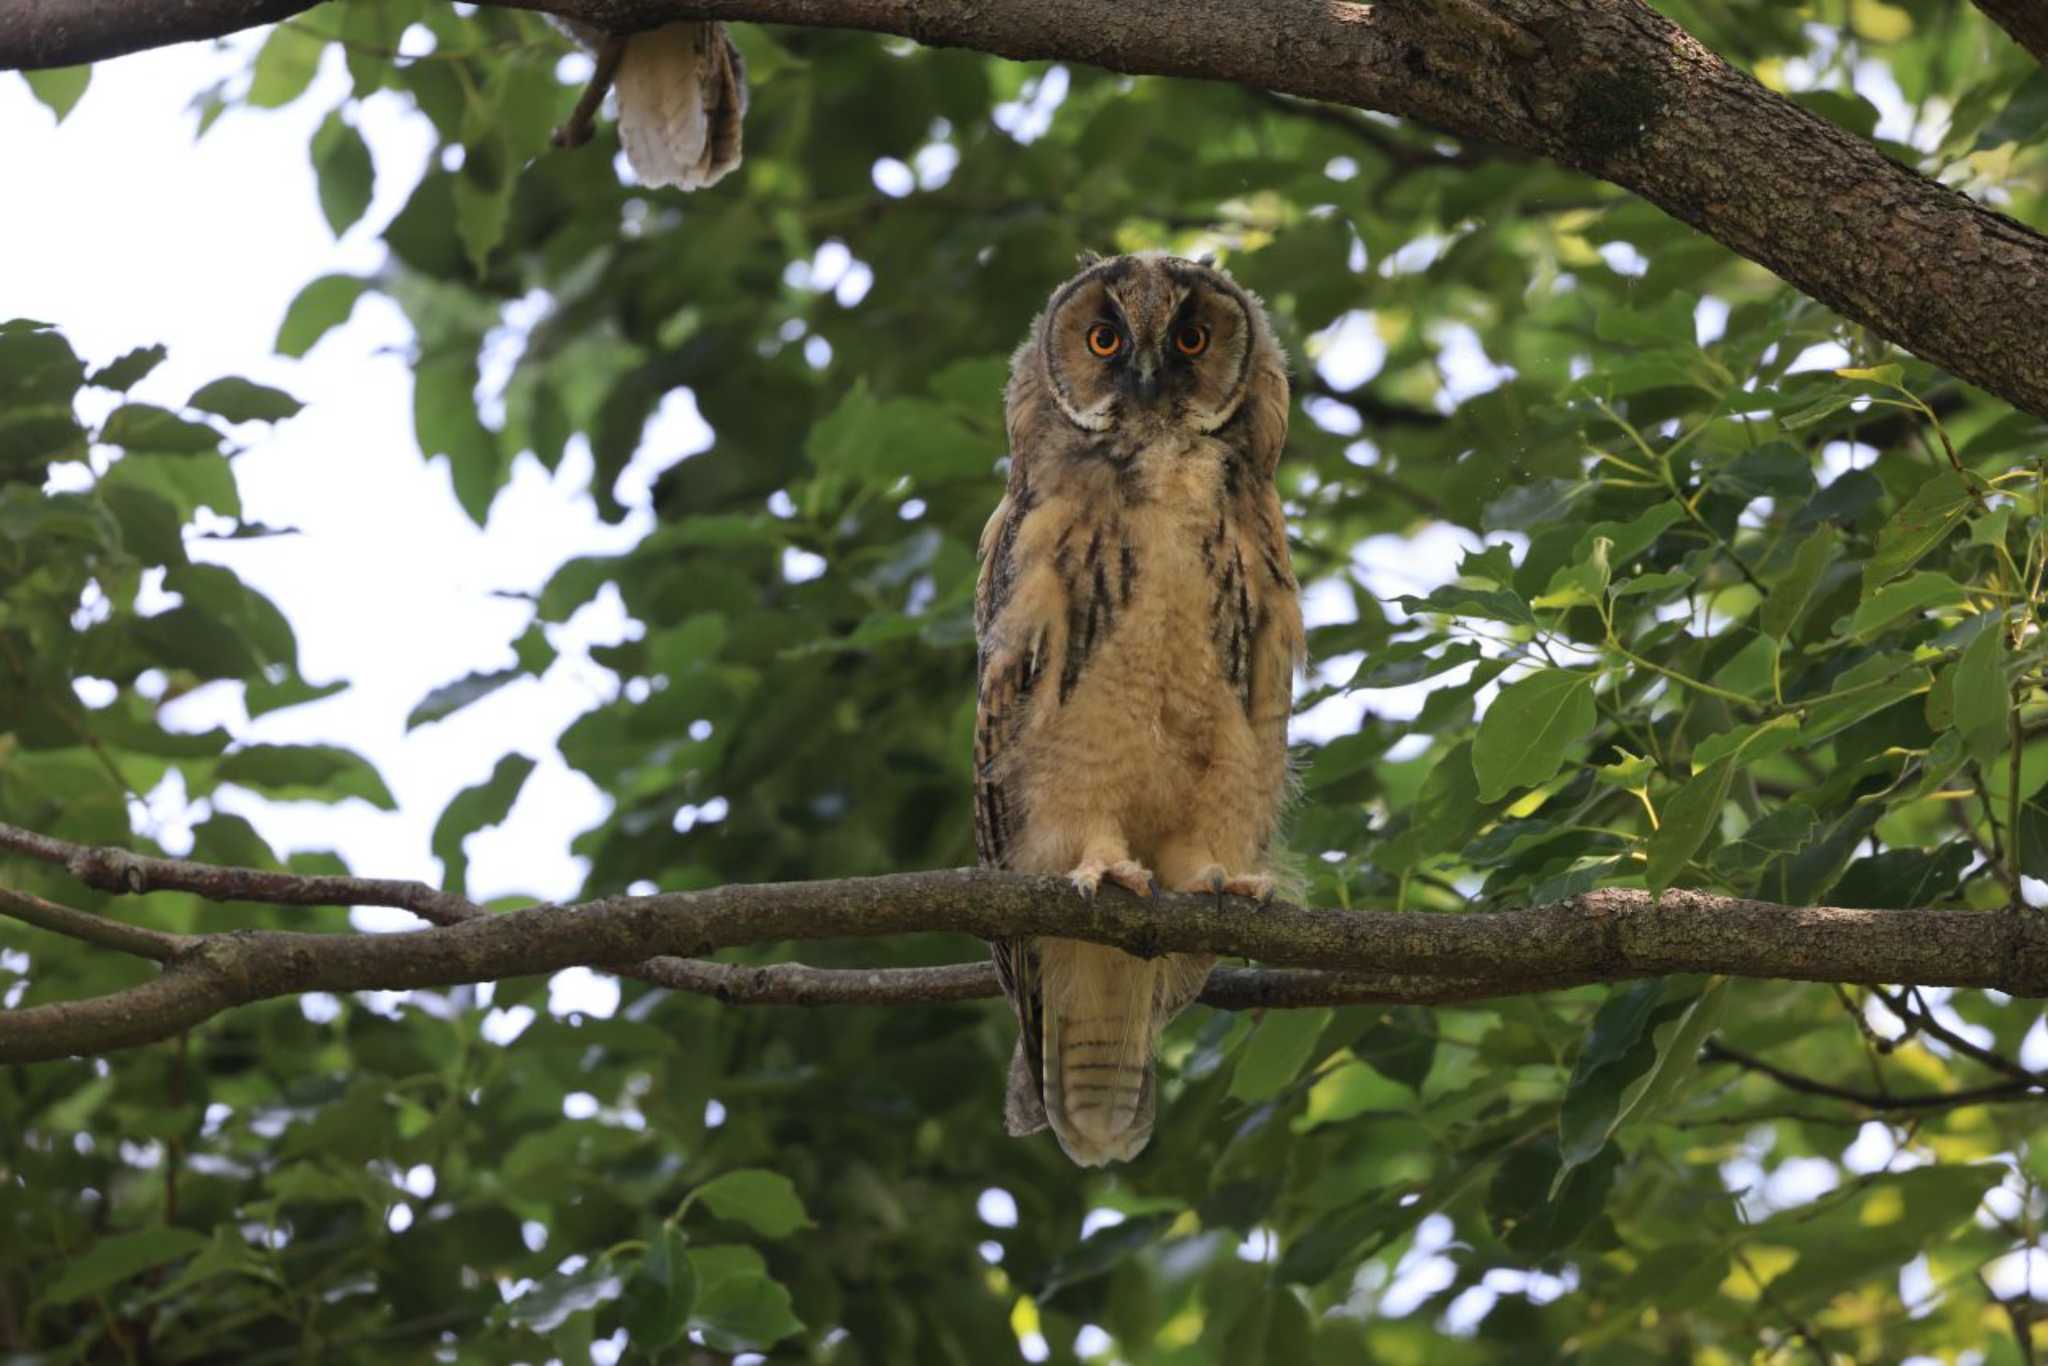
[(1129, 874), (1253, 886)]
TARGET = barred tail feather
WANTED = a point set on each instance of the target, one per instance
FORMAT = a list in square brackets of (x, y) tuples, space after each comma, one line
[(682, 94), (1101, 1021)]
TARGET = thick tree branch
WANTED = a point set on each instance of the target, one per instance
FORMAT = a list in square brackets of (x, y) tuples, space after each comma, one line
[(1320, 957), (2025, 20), (1610, 87), (786, 984)]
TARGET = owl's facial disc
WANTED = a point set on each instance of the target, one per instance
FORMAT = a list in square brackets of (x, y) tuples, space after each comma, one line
[(1148, 334)]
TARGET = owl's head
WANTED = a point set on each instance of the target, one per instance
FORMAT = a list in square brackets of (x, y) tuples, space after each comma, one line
[(1150, 335)]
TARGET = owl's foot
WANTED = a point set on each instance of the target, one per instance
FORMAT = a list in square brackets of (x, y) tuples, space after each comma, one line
[(1255, 886), (1129, 874)]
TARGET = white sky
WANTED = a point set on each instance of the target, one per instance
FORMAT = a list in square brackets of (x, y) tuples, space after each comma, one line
[(142, 235)]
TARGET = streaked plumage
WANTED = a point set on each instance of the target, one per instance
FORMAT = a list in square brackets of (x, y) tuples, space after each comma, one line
[(1139, 628), (682, 92)]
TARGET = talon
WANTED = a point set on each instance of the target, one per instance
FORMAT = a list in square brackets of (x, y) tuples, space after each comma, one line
[(1131, 875), (1128, 874), (1213, 879)]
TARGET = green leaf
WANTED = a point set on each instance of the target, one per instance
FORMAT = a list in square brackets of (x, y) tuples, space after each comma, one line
[(481, 211), (1280, 1046), (1539, 1207), (319, 308), (1885, 376), (1692, 814), (146, 427), (59, 88), (1864, 690), (320, 773), (1642, 1049), (1749, 744), (347, 177), (1397, 666), (1619, 1048), (1524, 735), (1901, 879), (1103, 1249), (241, 400), (115, 1258), (1874, 1227), (186, 482), (472, 809), (1446, 812), (1789, 595), (1626, 540), (659, 1295), (122, 374), (1401, 1046), (445, 419), (763, 1200), (1914, 593), (1678, 1052), (738, 1307), (1776, 469), (2034, 839), (1668, 581), (554, 1298), (2023, 116), (1487, 604), (880, 441), (1917, 528), (450, 698), (284, 67), (1983, 703), (263, 697)]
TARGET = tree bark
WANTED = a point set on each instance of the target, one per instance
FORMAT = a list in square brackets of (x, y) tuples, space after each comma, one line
[(1323, 956), (2025, 20), (1610, 87)]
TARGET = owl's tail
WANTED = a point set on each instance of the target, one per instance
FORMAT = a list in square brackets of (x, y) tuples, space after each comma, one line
[(1102, 1019), (682, 94)]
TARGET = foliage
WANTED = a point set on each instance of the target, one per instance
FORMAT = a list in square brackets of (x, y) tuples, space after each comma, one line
[(1745, 621)]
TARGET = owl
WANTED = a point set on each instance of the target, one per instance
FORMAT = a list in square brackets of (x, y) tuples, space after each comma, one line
[(1138, 627), (682, 94)]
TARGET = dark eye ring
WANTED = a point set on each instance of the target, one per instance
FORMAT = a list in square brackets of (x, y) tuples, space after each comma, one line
[(1192, 340), (1104, 340)]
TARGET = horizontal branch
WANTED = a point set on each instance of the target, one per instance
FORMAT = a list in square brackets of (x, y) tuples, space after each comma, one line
[(1315, 956), (1609, 87)]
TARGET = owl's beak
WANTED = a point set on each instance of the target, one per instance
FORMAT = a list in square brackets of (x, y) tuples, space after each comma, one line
[(1144, 375)]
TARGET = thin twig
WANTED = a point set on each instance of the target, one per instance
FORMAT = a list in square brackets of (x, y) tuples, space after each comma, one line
[(577, 130), (1912, 1012), (93, 929), (1716, 1051)]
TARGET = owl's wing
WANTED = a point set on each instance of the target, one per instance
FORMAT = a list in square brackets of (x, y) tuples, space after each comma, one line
[(1002, 690)]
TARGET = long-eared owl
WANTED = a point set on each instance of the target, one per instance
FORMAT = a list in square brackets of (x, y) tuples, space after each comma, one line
[(1139, 630)]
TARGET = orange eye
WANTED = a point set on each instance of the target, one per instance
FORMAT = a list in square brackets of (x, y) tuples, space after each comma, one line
[(1192, 340), (1104, 340)]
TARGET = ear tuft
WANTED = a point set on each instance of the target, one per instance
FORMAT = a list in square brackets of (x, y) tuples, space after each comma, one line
[(1088, 258), (1207, 259)]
